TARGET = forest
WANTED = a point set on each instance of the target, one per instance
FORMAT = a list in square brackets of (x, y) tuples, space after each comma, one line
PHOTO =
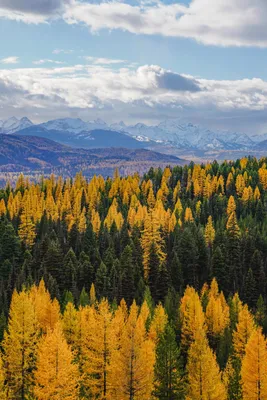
[(138, 287)]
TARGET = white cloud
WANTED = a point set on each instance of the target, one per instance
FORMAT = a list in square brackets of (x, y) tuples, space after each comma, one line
[(216, 22), (62, 51), (136, 94), (103, 61), (47, 61), (212, 22), (10, 60)]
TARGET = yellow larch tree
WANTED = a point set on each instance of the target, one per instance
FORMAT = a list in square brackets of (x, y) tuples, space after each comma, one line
[(158, 323), (20, 346), (240, 184), (56, 376), (27, 231), (3, 392), (204, 377), (192, 317), (188, 216), (96, 221), (178, 208), (70, 324), (151, 234), (217, 315), (47, 310), (133, 363), (257, 193), (232, 225), (114, 216), (209, 232), (231, 206), (244, 329), (2, 207), (82, 222), (230, 181), (97, 347), (254, 368)]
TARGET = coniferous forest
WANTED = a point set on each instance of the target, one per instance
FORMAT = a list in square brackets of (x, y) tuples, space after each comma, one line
[(140, 287)]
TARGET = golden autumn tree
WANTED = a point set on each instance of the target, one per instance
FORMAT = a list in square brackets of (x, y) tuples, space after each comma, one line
[(254, 368), (209, 232), (244, 329), (217, 314), (98, 343), (27, 228), (151, 234), (204, 376), (231, 206), (3, 392), (56, 376), (2, 207), (133, 362), (70, 324), (192, 317), (47, 310), (20, 346), (158, 323), (188, 216)]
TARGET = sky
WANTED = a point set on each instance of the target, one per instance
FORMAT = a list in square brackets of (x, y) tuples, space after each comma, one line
[(200, 61)]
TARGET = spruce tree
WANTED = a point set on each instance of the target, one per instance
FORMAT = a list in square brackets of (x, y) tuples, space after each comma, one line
[(168, 372)]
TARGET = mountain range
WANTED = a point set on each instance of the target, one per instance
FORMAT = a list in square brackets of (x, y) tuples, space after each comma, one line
[(170, 137), (36, 155)]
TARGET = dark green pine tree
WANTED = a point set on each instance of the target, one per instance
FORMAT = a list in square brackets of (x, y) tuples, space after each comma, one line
[(188, 256), (127, 275), (234, 260), (115, 287), (163, 283), (90, 246), (250, 293), (70, 266), (177, 273), (9, 242), (102, 281), (218, 269), (202, 259), (84, 298), (256, 265), (85, 273), (53, 263), (168, 368)]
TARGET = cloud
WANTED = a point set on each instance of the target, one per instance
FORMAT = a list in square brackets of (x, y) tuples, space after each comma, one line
[(147, 92), (216, 22), (45, 7), (47, 61), (32, 11), (62, 51), (10, 60), (103, 61)]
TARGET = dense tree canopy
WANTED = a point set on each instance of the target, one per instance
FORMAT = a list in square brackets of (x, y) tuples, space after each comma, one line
[(117, 276)]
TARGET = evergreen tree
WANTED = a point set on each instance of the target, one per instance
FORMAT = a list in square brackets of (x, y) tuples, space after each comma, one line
[(168, 372)]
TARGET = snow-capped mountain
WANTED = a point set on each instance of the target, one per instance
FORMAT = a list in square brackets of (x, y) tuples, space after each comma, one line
[(171, 134), (14, 124), (74, 125), (188, 135)]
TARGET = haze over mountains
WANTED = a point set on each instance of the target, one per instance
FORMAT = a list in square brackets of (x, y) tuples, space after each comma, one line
[(171, 136)]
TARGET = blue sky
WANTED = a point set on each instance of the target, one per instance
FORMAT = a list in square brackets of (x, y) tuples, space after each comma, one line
[(61, 58)]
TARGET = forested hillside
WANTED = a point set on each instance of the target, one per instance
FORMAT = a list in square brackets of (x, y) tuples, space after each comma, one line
[(108, 290)]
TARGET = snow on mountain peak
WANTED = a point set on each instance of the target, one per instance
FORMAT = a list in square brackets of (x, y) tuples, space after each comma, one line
[(13, 124)]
